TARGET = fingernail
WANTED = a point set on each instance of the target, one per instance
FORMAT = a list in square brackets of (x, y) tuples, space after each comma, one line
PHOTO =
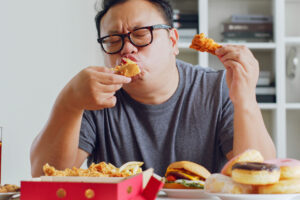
[(128, 80)]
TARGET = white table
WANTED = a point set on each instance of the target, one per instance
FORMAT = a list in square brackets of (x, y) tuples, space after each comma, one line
[(163, 196)]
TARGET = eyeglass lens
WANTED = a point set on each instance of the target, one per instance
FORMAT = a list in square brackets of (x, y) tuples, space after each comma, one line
[(139, 37)]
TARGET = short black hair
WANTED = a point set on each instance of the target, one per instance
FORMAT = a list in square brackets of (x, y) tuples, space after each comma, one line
[(164, 7)]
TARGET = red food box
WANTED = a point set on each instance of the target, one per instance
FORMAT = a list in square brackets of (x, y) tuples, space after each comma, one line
[(94, 188)]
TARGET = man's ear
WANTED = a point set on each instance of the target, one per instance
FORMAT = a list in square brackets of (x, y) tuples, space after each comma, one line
[(174, 39)]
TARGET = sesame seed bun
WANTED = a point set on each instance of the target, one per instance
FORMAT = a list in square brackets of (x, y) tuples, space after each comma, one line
[(191, 167)]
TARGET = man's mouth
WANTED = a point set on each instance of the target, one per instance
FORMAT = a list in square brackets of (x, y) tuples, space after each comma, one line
[(128, 67)]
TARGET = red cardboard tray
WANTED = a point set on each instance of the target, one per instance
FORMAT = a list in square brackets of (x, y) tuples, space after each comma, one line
[(97, 188)]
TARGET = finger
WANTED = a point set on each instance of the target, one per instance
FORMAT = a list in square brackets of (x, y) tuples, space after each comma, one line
[(229, 76), (109, 102), (109, 88), (102, 69), (220, 52), (111, 78), (224, 50), (235, 56), (237, 69)]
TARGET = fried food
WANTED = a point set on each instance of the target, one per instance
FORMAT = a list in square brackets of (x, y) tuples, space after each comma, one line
[(101, 169), (9, 188), (203, 44), (127, 68)]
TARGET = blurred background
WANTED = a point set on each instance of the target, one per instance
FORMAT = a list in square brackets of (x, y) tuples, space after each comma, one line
[(43, 44)]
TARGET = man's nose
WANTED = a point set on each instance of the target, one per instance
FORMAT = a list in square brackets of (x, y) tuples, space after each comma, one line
[(128, 47)]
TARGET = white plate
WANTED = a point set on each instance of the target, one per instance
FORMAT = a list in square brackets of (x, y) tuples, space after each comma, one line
[(257, 196), (7, 195), (187, 193)]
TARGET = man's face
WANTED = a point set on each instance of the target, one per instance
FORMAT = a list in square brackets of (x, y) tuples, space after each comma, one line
[(156, 59)]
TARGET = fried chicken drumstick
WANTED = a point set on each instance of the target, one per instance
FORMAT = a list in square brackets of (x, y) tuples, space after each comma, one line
[(204, 44)]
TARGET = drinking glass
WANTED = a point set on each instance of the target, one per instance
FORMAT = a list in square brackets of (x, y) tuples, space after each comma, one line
[(0, 150)]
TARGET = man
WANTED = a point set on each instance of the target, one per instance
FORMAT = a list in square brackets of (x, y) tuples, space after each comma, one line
[(171, 111)]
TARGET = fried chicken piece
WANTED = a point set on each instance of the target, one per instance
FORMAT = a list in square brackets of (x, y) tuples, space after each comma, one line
[(101, 169), (127, 68), (203, 44), (9, 188)]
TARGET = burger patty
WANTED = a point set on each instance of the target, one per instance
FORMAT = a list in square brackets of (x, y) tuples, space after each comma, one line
[(179, 175)]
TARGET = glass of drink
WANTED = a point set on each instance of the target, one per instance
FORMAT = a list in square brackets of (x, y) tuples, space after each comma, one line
[(0, 150)]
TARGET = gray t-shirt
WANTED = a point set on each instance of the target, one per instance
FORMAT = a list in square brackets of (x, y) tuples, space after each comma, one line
[(195, 124)]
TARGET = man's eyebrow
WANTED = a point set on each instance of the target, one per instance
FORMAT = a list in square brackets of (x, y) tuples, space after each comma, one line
[(117, 32), (112, 32)]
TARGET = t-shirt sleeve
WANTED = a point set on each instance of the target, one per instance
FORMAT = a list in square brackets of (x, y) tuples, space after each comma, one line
[(87, 138), (225, 124)]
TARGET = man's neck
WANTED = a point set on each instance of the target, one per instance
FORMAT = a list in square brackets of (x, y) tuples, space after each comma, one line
[(164, 91)]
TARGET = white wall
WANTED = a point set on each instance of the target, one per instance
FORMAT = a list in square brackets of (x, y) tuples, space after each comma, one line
[(42, 45)]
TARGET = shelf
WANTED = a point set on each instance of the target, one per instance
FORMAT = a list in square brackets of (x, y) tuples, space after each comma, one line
[(250, 45), (255, 45), (267, 106), (281, 118), (292, 40), (292, 106), (184, 45)]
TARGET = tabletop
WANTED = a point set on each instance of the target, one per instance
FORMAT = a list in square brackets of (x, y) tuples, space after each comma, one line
[(163, 196)]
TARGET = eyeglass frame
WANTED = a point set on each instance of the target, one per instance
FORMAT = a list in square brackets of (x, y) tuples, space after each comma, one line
[(123, 36)]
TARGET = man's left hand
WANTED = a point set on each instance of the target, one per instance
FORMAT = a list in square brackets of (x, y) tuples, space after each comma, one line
[(242, 73)]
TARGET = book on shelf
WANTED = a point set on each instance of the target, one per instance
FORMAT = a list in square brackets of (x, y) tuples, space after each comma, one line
[(187, 32), (266, 98), (263, 35), (270, 90), (266, 94), (182, 17), (188, 25), (264, 73), (264, 78), (245, 40), (238, 18), (264, 81), (247, 27)]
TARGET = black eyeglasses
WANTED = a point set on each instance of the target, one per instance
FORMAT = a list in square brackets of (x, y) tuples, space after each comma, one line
[(139, 37)]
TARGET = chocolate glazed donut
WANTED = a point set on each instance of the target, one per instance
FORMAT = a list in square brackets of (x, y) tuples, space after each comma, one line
[(255, 173)]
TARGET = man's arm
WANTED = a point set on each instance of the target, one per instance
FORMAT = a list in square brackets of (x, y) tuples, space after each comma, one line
[(242, 75), (250, 132), (57, 144)]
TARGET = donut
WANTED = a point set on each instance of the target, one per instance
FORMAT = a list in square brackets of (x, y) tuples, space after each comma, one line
[(219, 183), (255, 173), (289, 168), (282, 187), (250, 155)]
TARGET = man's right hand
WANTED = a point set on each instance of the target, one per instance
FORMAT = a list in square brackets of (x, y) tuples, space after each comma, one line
[(92, 89)]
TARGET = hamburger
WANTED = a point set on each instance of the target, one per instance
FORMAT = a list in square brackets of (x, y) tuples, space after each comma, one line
[(185, 175)]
